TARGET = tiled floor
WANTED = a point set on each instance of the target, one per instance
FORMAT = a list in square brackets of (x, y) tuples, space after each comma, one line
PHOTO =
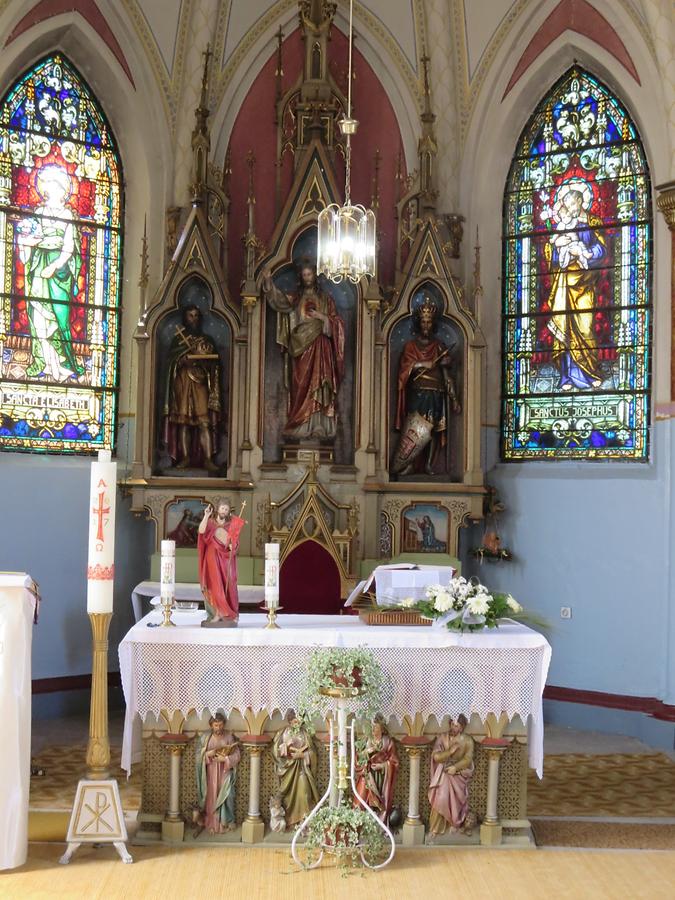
[(72, 730), (558, 739)]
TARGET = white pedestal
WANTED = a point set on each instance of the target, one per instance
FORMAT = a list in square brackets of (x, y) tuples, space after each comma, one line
[(97, 818), (17, 612)]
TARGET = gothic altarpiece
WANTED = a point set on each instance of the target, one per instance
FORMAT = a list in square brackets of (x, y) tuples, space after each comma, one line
[(345, 416), (227, 385)]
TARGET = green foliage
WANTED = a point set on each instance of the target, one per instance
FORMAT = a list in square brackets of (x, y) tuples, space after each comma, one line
[(344, 831), (327, 663)]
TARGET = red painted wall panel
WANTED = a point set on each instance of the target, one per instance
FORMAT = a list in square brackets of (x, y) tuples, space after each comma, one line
[(254, 129)]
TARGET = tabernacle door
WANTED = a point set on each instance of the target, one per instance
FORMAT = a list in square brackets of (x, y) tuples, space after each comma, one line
[(17, 613)]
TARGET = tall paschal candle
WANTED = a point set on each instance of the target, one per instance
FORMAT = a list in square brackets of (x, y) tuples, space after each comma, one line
[(101, 561)]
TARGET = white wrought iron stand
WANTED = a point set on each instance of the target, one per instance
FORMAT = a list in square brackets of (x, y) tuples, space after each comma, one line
[(345, 740)]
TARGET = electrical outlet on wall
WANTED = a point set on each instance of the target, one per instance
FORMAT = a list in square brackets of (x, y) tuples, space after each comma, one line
[(565, 612)]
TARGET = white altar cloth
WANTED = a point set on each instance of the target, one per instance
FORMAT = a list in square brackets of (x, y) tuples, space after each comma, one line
[(18, 600), (433, 671)]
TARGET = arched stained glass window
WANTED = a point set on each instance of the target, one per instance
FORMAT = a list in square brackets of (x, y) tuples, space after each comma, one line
[(60, 260), (577, 276)]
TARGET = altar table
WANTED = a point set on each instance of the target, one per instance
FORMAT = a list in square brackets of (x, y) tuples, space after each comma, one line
[(432, 671), (249, 594)]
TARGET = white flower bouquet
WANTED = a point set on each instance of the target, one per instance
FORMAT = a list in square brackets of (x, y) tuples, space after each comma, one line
[(465, 605)]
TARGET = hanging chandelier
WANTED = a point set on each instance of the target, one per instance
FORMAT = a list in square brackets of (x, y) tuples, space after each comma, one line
[(346, 234)]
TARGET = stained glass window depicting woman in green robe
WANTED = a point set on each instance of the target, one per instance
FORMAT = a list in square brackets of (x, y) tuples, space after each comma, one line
[(577, 260), (60, 239)]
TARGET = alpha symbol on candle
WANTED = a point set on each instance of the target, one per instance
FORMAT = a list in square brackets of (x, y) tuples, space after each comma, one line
[(100, 511)]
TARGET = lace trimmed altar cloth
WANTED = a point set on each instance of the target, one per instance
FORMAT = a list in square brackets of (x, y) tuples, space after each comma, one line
[(432, 671)]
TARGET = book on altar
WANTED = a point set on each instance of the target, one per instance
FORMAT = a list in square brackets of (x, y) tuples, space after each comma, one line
[(397, 581)]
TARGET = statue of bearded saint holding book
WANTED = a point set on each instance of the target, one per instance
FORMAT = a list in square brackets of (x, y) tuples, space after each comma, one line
[(452, 769), (295, 763), (218, 756)]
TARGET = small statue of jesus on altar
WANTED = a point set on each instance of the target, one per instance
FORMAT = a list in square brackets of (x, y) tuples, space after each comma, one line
[(217, 545)]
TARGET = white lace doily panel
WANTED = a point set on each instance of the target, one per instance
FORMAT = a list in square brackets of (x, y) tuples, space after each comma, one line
[(431, 671)]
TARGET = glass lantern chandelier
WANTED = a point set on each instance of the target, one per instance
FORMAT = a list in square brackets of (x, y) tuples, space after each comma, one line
[(346, 234)]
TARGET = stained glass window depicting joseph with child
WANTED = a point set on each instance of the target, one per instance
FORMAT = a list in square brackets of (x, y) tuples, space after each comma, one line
[(577, 277), (60, 218)]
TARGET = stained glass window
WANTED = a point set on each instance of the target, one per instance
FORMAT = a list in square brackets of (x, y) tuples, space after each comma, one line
[(577, 275), (60, 259)]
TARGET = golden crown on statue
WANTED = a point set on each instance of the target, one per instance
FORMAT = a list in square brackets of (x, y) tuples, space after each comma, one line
[(427, 310)]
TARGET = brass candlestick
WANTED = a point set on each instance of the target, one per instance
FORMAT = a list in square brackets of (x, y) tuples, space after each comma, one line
[(272, 616), (98, 748), (167, 609)]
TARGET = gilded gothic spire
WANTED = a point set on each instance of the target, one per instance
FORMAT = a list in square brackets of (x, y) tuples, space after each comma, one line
[(316, 21), (427, 148), (201, 139)]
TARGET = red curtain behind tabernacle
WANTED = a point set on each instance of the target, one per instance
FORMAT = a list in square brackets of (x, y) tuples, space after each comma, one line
[(309, 581)]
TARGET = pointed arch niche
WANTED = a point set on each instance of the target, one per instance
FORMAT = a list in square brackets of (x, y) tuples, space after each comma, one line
[(61, 215), (194, 280), (455, 449), (577, 258)]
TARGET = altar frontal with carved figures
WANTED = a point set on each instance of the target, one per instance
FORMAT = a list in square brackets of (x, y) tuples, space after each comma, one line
[(338, 423)]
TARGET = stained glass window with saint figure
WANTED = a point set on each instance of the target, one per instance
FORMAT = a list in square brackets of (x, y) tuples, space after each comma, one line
[(577, 274), (60, 259)]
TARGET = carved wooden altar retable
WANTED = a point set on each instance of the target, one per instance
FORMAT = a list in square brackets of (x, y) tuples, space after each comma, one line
[(227, 355)]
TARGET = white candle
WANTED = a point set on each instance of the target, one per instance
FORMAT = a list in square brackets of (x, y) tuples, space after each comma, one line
[(271, 576), (101, 560), (168, 571)]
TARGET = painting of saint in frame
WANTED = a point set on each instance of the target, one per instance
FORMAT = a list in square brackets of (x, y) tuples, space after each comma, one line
[(424, 528)]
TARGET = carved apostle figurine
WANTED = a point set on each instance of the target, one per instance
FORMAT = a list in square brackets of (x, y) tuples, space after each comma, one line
[(377, 769), (426, 396), (217, 546), (217, 759), (295, 761), (192, 408), (311, 335), (451, 773)]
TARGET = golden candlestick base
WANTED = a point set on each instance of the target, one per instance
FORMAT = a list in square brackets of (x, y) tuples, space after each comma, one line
[(98, 748), (272, 616), (167, 609)]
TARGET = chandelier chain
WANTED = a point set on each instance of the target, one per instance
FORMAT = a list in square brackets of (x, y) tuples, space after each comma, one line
[(351, 40), (348, 148), (346, 235), (348, 172)]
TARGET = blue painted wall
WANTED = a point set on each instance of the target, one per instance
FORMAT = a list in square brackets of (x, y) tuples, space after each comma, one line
[(598, 538), (44, 531)]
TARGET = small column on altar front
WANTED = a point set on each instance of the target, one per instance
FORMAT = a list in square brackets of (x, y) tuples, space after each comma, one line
[(491, 827), (413, 826), (253, 826), (173, 825)]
